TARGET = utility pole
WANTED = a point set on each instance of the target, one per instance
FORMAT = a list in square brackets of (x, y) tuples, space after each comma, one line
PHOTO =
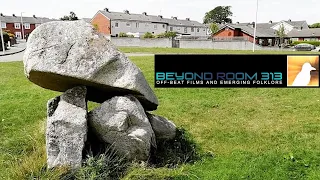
[(2, 40), (255, 27), (22, 26)]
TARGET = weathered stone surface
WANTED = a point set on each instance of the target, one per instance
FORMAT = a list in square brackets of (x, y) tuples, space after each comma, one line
[(61, 55), (162, 127), (66, 128), (122, 122)]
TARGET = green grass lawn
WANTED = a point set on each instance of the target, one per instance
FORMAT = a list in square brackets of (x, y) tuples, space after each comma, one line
[(253, 133), (204, 51)]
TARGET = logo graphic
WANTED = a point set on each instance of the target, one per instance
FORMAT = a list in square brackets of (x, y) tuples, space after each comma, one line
[(303, 71)]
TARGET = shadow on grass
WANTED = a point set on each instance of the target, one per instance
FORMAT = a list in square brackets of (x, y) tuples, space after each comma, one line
[(171, 153)]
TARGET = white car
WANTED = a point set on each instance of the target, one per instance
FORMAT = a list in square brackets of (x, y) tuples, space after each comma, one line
[(317, 49)]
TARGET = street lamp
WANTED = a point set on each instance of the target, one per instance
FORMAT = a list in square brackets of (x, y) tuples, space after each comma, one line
[(2, 40), (22, 27), (255, 28)]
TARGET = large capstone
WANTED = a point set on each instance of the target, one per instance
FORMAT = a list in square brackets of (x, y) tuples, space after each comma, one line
[(122, 122), (163, 128), (61, 55), (66, 128)]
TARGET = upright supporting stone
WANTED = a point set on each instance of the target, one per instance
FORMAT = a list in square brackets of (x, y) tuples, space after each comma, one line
[(66, 128)]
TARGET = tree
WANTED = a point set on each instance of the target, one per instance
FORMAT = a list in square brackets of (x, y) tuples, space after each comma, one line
[(71, 17), (218, 15), (214, 28), (315, 25), (281, 33)]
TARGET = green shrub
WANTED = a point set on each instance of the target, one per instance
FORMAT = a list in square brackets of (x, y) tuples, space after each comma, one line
[(121, 34), (315, 43), (131, 36), (161, 35), (148, 35), (170, 34)]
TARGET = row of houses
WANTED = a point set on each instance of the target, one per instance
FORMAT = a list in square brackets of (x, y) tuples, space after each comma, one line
[(114, 23)]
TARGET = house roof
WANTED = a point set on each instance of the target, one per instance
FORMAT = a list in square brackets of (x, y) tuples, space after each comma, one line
[(88, 20), (149, 18), (265, 29), (31, 20), (312, 32)]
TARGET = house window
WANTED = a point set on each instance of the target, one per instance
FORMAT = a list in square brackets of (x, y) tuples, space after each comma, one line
[(185, 30), (17, 25), (26, 25), (198, 29), (178, 29), (116, 24), (18, 35), (163, 26), (171, 28), (146, 25), (137, 25), (128, 24), (3, 25), (192, 29), (155, 26)]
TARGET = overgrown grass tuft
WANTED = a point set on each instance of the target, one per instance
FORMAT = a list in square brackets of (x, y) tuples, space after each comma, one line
[(172, 153), (108, 165)]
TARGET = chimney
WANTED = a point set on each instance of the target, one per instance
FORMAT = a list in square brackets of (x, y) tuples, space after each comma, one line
[(270, 22), (13, 15), (176, 18), (1, 14), (238, 23), (145, 13), (160, 16), (289, 20), (253, 24), (188, 19), (126, 11), (106, 9), (34, 16)]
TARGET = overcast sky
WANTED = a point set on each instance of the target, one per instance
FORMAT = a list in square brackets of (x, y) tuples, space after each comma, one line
[(243, 10)]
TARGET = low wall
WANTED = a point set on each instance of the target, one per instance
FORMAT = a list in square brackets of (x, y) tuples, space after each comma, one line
[(189, 43), (137, 42)]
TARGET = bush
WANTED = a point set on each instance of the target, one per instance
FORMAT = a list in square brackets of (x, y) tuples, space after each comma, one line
[(315, 43), (170, 34), (162, 35), (123, 34), (131, 36), (148, 35)]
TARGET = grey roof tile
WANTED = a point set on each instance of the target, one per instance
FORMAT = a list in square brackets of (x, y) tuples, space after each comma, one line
[(150, 18), (312, 32), (31, 20)]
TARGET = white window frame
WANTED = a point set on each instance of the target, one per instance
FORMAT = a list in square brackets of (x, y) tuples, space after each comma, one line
[(3, 25), (128, 24), (185, 30), (17, 26), (192, 29), (27, 25), (16, 34), (163, 26), (155, 26), (137, 25), (171, 28), (116, 24), (198, 29), (178, 28)]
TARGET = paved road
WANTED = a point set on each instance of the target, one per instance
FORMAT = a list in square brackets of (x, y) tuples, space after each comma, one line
[(19, 56)]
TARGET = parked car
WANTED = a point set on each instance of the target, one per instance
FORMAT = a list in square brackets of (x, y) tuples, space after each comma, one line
[(317, 49), (304, 47)]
